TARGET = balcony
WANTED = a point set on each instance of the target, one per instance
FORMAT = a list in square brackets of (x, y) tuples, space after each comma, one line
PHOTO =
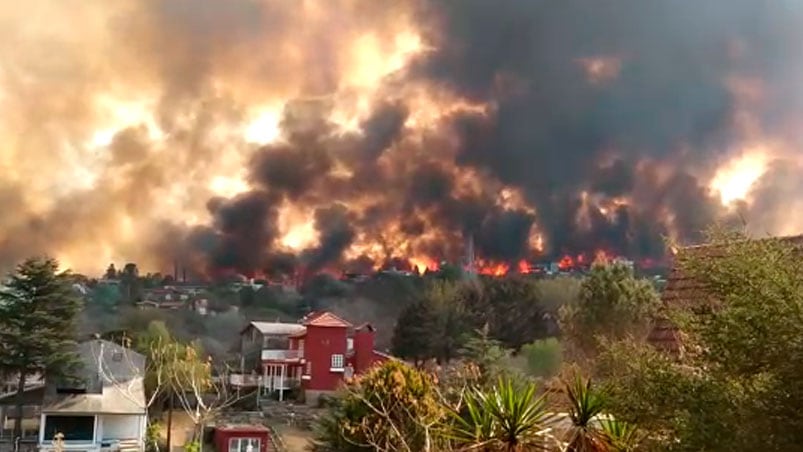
[(282, 355)]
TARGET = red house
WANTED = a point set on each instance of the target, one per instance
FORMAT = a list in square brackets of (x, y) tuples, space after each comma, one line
[(315, 354), (242, 438)]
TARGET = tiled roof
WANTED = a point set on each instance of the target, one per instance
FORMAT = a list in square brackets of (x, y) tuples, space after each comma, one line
[(682, 289), (325, 319)]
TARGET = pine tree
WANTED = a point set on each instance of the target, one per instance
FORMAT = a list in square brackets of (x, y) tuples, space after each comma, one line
[(38, 309), (414, 336)]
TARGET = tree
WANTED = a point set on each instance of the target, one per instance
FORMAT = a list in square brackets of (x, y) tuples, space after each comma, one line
[(393, 407), (507, 417), (516, 316), (130, 283), (105, 296), (200, 393), (487, 354), (738, 385), (612, 304), (111, 272), (435, 326), (414, 334), (38, 310)]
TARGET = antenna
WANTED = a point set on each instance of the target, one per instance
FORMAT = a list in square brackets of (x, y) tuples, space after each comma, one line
[(470, 259)]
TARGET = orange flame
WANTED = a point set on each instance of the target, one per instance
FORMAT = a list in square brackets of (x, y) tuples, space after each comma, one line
[(524, 267), (492, 268), (566, 263), (424, 263)]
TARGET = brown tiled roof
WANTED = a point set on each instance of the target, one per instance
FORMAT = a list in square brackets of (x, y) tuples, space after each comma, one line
[(681, 289)]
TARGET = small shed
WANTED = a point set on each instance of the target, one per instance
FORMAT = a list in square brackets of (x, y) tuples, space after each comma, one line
[(242, 438)]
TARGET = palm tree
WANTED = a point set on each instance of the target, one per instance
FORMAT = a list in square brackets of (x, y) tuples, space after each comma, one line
[(622, 436), (586, 405), (506, 417)]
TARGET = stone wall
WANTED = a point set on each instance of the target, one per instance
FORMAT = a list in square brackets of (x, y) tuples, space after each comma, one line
[(298, 415)]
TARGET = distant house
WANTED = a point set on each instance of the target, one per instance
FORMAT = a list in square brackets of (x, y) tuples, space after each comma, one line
[(172, 298), (102, 408), (315, 354)]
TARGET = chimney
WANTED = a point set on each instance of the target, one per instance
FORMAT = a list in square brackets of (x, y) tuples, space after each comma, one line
[(175, 271), (363, 348), (184, 274)]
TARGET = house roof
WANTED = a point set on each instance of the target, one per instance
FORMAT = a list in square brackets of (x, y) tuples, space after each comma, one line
[(123, 398), (278, 328), (113, 377), (683, 290), (325, 319)]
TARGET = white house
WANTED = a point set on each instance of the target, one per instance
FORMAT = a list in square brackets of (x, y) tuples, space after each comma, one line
[(105, 409)]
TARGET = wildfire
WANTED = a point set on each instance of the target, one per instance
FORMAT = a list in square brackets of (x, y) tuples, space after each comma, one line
[(422, 264), (524, 267), (734, 181), (492, 268)]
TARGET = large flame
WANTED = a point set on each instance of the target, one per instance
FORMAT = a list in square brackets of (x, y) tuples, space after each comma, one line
[(734, 180)]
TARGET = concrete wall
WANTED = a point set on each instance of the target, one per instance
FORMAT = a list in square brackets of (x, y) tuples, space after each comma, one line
[(121, 426)]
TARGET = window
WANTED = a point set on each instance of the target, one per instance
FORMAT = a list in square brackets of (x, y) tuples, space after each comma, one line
[(242, 445), (309, 368), (337, 362), (301, 347), (74, 428)]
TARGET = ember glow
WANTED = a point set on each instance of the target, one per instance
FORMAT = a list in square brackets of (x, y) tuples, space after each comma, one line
[(270, 137)]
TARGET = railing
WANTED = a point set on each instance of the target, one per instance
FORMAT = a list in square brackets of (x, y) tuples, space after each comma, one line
[(281, 355), (244, 380), (285, 383)]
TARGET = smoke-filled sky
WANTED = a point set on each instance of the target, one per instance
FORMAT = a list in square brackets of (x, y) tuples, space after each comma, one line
[(266, 134)]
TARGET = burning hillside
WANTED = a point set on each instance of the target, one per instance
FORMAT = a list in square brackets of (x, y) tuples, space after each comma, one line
[(266, 136)]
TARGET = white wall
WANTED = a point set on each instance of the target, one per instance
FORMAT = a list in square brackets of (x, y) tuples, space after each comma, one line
[(121, 426)]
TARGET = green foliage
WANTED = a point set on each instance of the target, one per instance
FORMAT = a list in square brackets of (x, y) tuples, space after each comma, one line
[(621, 436), (543, 357), (516, 316), (487, 354), (153, 436), (414, 333), (131, 286), (193, 446), (586, 404), (554, 293), (612, 304), (105, 296), (506, 417), (435, 326), (737, 386), (38, 299), (392, 407), (38, 310), (450, 273)]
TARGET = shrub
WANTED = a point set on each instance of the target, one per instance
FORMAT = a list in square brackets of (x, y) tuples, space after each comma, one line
[(392, 407), (543, 356)]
